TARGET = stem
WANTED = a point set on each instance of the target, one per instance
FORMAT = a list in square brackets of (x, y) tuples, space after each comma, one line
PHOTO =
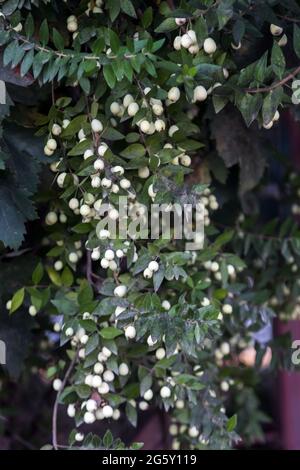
[(267, 89), (56, 403)]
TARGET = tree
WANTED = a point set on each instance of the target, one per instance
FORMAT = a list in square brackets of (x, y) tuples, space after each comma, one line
[(155, 104)]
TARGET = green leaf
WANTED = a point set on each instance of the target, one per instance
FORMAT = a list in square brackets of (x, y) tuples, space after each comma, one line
[(80, 148), (67, 277), (133, 151), (29, 25), (250, 107), (109, 75), (86, 294), (261, 68), (9, 52), (224, 12), (83, 391), (296, 40), (92, 344), (108, 439), (85, 85), (271, 103), (58, 40), (147, 17), (19, 54), (27, 62), (37, 274), (74, 126), (128, 8), (238, 31), (114, 8), (131, 414), (17, 300), (112, 134), (110, 332), (277, 60), (231, 423), (168, 24), (54, 276), (44, 32), (114, 42), (145, 384)]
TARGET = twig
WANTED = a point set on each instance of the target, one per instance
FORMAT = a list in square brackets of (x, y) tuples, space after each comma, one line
[(267, 89), (288, 18), (56, 403)]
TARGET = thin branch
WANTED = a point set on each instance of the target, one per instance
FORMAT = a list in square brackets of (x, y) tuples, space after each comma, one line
[(275, 85), (56, 403), (289, 18)]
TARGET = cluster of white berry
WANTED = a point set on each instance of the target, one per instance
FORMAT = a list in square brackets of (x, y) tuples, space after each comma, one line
[(94, 7), (189, 41)]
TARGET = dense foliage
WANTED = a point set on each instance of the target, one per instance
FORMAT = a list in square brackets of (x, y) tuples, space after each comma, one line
[(161, 102)]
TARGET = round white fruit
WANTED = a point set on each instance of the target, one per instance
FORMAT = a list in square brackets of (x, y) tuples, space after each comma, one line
[(130, 332), (165, 392), (120, 291), (209, 46), (200, 93), (97, 125)]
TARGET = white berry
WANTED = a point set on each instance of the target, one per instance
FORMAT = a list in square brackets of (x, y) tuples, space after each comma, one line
[(130, 332), (209, 46)]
